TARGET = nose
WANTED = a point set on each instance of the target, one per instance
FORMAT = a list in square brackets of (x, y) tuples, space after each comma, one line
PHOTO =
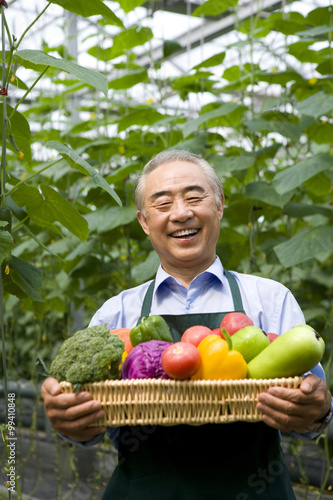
[(181, 211)]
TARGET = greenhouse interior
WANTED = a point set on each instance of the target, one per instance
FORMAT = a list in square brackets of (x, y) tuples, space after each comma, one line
[(90, 93)]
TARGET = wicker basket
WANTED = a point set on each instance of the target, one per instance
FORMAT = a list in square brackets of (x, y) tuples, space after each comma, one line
[(172, 402)]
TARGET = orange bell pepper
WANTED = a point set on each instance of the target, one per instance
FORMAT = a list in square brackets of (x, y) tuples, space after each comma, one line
[(218, 363)]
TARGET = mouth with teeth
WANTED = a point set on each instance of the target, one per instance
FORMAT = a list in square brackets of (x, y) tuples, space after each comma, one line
[(184, 233)]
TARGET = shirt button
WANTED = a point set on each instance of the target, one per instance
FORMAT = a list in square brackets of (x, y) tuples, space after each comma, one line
[(191, 304)]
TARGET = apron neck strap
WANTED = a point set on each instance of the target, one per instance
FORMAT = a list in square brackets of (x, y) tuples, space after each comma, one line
[(235, 292)]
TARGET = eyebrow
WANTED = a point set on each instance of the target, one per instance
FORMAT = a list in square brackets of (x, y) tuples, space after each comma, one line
[(158, 194)]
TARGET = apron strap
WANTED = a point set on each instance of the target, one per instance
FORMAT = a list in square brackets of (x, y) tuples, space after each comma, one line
[(235, 292), (146, 304)]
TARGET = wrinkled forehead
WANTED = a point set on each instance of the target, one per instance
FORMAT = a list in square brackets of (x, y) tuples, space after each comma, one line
[(176, 174)]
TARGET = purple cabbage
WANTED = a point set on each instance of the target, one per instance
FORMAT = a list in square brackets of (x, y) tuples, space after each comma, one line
[(144, 360)]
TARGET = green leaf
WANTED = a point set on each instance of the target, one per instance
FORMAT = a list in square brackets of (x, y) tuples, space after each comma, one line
[(93, 78), (301, 51), (129, 5), (255, 26), (211, 61), (214, 7), (141, 116), (308, 243), (193, 125), (285, 128), (195, 144), (316, 105), (170, 47), (29, 197), (316, 31), (122, 42), (198, 82), (19, 127), (325, 68), (287, 25), (293, 177), (27, 277), (123, 172), (129, 79), (146, 269), (226, 164), (321, 133), (107, 219), (16, 83), (6, 244), (86, 8), (74, 161), (279, 77), (64, 212), (262, 191), (132, 37), (301, 210), (319, 16)]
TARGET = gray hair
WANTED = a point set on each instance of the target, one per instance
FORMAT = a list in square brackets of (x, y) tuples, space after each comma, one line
[(176, 155)]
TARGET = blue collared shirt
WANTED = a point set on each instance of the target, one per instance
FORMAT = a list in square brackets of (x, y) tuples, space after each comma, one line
[(269, 304)]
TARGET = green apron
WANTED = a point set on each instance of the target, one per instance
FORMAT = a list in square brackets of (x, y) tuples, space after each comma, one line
[(237, 461)]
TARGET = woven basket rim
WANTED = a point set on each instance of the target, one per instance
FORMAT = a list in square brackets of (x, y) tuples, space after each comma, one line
[(193, 383), (174, 402)]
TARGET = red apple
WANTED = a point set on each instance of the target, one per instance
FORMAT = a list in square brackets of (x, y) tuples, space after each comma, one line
[(195, 334), (235, 321), (272, 336)]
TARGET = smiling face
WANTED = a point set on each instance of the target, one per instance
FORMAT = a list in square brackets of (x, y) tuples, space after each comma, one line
[(182, 218)]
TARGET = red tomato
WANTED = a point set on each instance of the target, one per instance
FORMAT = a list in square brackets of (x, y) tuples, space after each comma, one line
[(218, 332), (235, 321), (195, 334), (272, 336), (123, 334), (181, 360)]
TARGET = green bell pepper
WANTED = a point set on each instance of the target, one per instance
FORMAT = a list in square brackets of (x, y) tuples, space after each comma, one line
[(152, 328)]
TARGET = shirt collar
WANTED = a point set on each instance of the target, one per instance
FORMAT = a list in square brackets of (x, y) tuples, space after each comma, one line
[(216, 269)]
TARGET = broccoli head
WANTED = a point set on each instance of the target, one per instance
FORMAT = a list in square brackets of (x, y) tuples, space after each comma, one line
[(89, 355)]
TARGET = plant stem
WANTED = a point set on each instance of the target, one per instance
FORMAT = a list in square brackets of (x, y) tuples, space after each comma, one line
[(28, 91), (328, 466), (32, 176), (4, 118), (31, 25)]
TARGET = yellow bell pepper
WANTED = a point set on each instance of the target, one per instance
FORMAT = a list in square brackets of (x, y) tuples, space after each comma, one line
[(218, 363)]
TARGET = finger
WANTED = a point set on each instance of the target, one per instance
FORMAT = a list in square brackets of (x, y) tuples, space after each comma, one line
[(312, 383), (284, 423), (78, 424), (50, 386), (268, 402), (295, 396), (64, 401), (285, 415)]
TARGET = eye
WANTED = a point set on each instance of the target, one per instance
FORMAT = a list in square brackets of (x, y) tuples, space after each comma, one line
[(193, 199), (163, 206)]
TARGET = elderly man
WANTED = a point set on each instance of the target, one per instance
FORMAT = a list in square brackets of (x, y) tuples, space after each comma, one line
[(180, 206)]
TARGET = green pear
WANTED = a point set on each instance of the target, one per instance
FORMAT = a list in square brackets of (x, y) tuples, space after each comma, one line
[(291, 354), (249, 341)]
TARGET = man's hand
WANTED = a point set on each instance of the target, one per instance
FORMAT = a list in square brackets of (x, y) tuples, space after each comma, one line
[(300, 410), (71, 414)]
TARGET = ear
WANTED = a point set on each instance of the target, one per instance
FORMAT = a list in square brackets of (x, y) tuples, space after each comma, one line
[(143, 221), (220, 207)]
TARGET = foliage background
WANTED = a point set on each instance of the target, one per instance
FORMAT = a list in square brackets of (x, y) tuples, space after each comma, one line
[(73, 140), (265, 123)]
